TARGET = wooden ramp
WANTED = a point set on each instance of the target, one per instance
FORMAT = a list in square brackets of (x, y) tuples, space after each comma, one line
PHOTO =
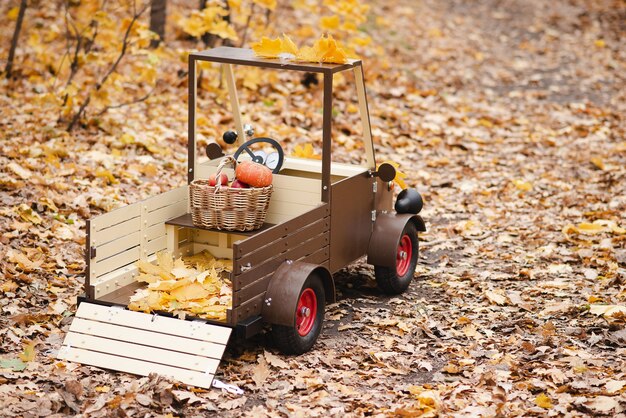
[(139, 343)]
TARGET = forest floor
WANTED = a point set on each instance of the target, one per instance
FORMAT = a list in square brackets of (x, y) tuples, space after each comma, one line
[(509, 116)]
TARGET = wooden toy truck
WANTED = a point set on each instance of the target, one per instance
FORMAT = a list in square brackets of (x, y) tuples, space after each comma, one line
[(322, 216)]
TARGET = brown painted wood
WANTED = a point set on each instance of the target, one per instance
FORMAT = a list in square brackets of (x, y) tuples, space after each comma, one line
[(327, 136), (186, 222), (352, 203), (248, 309), (272, 234), (269, 266), (242, 56), (260, 286), (284, 243), (191, 127)]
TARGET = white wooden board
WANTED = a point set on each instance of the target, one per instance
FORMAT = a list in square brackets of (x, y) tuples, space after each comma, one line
[(139, 343)]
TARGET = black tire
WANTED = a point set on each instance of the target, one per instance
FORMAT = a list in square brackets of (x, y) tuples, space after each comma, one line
[(389, 279), (287, 338)]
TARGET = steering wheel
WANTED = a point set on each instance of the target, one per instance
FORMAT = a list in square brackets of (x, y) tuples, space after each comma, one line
[(273, 160)]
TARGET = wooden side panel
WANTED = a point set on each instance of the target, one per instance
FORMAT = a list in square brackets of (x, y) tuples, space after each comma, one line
[(134, 342), (352, 201), (121, 237), (306, 238)]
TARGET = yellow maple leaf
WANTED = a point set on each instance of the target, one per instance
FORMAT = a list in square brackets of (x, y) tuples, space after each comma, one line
[(305, 151), (399, 178), (329, 22), (190, 292), (543, 401), (325, 49), (267, 48), (288, 46)]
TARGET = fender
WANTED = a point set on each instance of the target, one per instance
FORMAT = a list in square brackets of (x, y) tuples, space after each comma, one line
[(382, 249), (281, 299)]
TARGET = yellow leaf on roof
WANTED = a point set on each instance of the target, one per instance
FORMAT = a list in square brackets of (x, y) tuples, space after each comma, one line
[(288, 46), (267, 48)]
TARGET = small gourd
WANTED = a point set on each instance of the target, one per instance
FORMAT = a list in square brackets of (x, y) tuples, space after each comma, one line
[(253, 174)]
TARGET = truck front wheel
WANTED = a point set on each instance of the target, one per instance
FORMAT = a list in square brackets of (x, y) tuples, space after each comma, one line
[(395, 280), (309, 316)]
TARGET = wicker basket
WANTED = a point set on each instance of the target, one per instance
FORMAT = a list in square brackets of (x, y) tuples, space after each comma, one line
[(228, 208)]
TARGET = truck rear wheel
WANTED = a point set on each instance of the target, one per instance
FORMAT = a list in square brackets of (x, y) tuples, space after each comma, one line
[(309, 316), (395, 280)]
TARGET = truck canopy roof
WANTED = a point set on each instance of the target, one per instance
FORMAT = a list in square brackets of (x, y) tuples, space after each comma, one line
[(242, 56)]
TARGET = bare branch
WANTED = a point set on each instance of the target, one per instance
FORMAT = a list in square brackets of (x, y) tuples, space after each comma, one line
[(125, 42), (132, 102)]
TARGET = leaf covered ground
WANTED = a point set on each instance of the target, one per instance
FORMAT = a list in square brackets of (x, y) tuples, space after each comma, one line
[(508, 116)]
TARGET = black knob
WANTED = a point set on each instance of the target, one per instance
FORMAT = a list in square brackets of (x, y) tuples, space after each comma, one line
[(409, 201), (230, 137)]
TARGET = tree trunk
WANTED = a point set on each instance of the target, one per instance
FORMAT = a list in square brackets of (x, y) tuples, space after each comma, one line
[(158, 12), (209, 39), (16, 34)]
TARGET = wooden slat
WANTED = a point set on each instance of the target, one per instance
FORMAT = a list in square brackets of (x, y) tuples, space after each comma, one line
[(250, 308), (167, 199), (117, 261), (140, 352), (243, 247), (139, 343), (173, 326), (244, 279), (155, 231), (155, 245), (109, 234), (154, 339), (142, 368), (295, 196), (296, 184), (293, 239), (114, 281), (167, 212), (116, 246), (259, 286), (279, 207), (320, 257), (115, 217)]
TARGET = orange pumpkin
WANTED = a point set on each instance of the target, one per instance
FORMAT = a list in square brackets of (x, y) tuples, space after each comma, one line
[(253, 174)]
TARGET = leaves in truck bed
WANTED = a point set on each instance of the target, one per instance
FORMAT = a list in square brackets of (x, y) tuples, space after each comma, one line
[(189, 285)]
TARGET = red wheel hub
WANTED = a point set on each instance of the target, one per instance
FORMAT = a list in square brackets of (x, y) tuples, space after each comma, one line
[(306, 311), (404, 255)]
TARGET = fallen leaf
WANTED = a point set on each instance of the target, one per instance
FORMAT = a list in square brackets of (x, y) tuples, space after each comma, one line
[(275, 361), (260, 372), (607, 310), (543, 401), (495, 297)]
